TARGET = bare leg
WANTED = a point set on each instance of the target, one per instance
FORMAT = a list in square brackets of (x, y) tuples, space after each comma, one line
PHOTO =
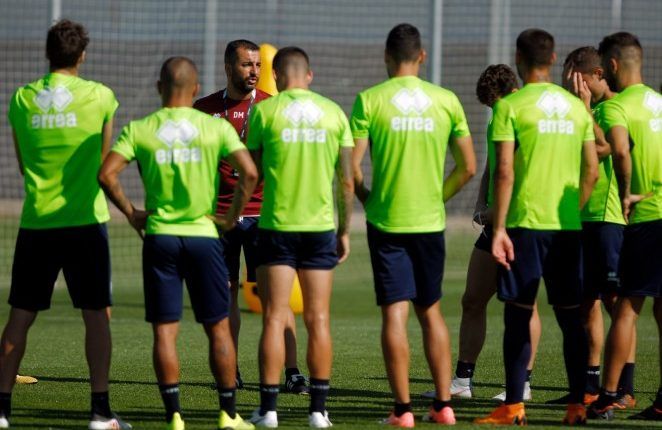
[(436, 344), (235, 314), (619, 340), (316, 289), (98, 347), (536, 331), (164, 353), (12, 346), (291, 342), (222, 355), (594, 325), (395, 347)]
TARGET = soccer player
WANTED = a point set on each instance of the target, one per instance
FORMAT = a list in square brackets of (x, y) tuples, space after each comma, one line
[(299, 139), (408, 124), (496, 81), (602, 228), (546, 168), (632, 120), (178, 149), (235, 103), (62, 126)]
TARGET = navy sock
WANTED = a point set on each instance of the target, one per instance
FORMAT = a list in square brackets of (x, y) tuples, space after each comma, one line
[(593, 379), (291, 371), (464, 369), (438, 405), (606, 398), (227, 400), (319, 391), (101, 404), (5, 404), (528, 375), (170, 397), (626, 381), (268, 397), (575, 351), (516, 350), (400, 409)]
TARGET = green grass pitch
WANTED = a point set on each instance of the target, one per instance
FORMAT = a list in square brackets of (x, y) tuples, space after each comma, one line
[(360, 394)]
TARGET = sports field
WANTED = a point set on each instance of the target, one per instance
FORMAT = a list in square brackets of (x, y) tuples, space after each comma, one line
[(360, 394)]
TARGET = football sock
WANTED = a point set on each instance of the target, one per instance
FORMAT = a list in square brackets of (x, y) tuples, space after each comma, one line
[(528, 375), (657, 403), (606, 398), (227, 400), (516, 350), (268, 397), (400, 409), (465, 369), (5, 404), (626, 381), (319, 390), (438, 405), (593, 379), (101, 404), (575, 351), (170, 397), (291, 371)]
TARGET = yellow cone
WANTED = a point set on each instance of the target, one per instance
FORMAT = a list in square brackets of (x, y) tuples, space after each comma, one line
[(266, 82), (253, 299)]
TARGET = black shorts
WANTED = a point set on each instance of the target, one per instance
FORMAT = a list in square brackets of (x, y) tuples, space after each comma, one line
[(484, 241), (407, 266), (80, 252), (641, 260), (555, 256), (300, 250), (601, 243), (244, 235), (167, 260)]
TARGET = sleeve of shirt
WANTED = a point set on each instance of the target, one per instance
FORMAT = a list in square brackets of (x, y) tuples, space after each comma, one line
[(589, 134), (124, 145), (108, 101), (346, 139), (231, 141), (612, 115), (503, 122), (460, 125), (255, 127), (14, 111), (360, 122)]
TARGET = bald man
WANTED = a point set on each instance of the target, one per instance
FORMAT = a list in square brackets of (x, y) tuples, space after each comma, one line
[(178, 149), (299, 139)]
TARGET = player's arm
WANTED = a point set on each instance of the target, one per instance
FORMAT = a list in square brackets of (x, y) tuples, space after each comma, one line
[(106, 138), (502, 247), (241, 161), (462, 150), (582, 91), (19, 159), (601, 145), (345, 199), (619, 140), (589, 174), (108, 177), (481, 211), (360, 189)]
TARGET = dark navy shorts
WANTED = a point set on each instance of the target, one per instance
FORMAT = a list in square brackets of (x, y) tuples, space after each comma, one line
[(244, 235), (601, 242), (80, 252), (641, 260), (407, 266), (300, 250), (555, 256), (167, 260), (484, 241)]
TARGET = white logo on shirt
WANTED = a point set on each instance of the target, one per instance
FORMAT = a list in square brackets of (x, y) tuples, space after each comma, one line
[(412, 102), (653, 102), (180, 133), (303, 113), (554, 104), (57, 98)]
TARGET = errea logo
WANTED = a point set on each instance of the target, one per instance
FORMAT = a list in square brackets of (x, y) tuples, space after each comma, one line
[(179, 133), (653, 102), (56, 99), (555, 105), (412, 103), (303, 116)]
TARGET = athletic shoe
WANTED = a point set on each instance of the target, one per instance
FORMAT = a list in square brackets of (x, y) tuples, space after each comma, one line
[(590, 398), (319, 420), (600, 412), (227, 423), (4, 422), (505, 414), (651, 413), (526, 395), (460, 387), (25, 380), (176, 423), (99, 422), (575, 415), (626, 401), (268, 420), (444, 416), (405, 420), (297, 384)]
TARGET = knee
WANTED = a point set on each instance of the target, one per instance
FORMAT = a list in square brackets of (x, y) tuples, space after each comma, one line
[(316, 321)]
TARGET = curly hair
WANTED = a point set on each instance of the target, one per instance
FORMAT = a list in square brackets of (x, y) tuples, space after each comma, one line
[(497, 81), (65, 43)]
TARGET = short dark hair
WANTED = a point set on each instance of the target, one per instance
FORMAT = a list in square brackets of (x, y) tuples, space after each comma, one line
[(613, 45), (232, 48), (583, 59), (285, 55), (65, 43), (403, 43), (178, 72), (536, 47), (497, 81)]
